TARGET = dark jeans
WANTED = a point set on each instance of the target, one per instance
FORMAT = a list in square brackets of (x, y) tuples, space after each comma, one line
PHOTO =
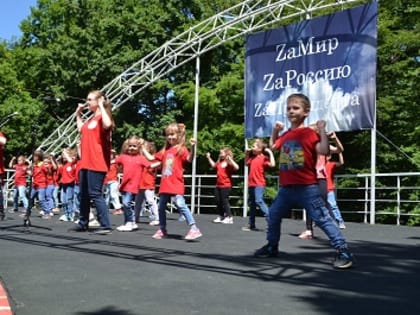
[(222, 201), (90, 184)]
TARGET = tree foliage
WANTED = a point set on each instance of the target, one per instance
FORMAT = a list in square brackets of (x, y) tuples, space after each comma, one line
[(69, 47)]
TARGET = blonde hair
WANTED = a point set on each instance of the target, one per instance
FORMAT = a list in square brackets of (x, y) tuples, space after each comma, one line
[(179, 129), (125, 146), (227, 151)]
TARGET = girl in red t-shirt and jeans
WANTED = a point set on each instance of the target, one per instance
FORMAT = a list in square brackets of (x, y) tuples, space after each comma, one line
[(173, 158), (225, 166)]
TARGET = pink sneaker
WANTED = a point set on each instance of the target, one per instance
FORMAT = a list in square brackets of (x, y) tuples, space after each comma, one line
[(160, 234), (193, 234), (306, 235)]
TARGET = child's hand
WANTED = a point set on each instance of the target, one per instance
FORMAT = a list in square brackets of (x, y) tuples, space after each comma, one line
[(208, 155), (193, 142), (278, 125), (320, 124)]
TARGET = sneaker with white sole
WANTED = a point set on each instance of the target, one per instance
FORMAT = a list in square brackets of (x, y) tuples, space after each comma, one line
[(193, 234), (306, 235), (160, 234), (154, 223), (64, 218), (94, 223), (227, 220), (219, 219), (343, 259), (128, 227)]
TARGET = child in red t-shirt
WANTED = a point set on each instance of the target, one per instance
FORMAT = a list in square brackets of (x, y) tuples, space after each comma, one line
[(258, 159), (111, 183), (146, 193), (68, 180), (132, 164), (21, 173), (39, 184), (173, 158), (225, 166), (299, 147)]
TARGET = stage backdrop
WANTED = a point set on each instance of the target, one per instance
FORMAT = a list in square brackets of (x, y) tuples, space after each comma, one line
[(331, 59)]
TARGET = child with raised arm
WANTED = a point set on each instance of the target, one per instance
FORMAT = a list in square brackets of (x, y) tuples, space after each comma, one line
[(258, 158), (224, 166), (21, 172), (173, 158), (299, 147), (68, 179)]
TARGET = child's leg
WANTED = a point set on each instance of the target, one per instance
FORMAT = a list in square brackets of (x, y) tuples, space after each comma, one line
[(163, 200), (127, 198), (225, 193), (313, 203), (334, 208), (138, 203), (151, 200), (183, 209), (259, 200), (252, 207)]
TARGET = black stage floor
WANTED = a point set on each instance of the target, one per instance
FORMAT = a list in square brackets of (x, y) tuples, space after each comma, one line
[(48, 270)]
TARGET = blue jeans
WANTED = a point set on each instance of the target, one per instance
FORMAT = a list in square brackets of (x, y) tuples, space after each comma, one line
[(334, 207), (67, 199), (180, 205), (308, 197), (20, 193), (49, 197), (256, 198), (112, 195), (76, 199), (127, 201), (56, 201), (90, 184), (40, 193)]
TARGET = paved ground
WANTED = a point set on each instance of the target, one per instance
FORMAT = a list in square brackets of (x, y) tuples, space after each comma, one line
[(47, 270)]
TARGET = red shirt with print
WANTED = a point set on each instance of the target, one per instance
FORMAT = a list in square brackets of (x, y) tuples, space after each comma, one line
[(298, 156), (173, 161), (68, 175)]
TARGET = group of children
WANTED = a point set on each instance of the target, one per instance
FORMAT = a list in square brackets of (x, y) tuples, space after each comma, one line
[(303, 159)]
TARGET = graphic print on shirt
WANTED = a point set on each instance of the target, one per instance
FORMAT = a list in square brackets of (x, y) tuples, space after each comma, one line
[(169, 165), (291, 156)]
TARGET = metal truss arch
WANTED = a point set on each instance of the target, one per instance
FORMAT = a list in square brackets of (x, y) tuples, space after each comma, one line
[(244, 18)]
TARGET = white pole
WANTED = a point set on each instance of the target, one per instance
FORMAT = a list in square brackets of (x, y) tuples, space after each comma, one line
[(373, 169), (195, 132)]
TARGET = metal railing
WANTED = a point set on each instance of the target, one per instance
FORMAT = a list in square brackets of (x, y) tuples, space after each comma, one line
[(396, 195)]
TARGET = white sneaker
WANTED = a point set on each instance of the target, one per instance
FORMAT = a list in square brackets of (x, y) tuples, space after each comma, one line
[(64, 218), (227, 220), (94, 223), (154, 222), (128, 227), (218, 220)]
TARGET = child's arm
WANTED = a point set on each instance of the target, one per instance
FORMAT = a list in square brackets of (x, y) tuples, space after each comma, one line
[(338, 147), (12, 162), (212, 163), (230, 161), (271, 156), (193, 143), (278, 126), (323, 146), (340, 160)]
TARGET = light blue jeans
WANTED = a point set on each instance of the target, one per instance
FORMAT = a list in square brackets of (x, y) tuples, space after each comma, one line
[(49, 197), (308, 197), (112, 194), (67, 200), (334, 207), (40, 193), (181, 206), (127, 201), (19, 193), (256, 198)]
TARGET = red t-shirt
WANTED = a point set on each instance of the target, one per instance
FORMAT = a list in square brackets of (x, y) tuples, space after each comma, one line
[(95, 145), (132, 169), (68, 175), (297, 156), (76, 177), (20, 174), (50, 175), (224, 172), (257, 165), (330, 169), (173, 161), (39, 176), (148, 178), (112, 174)]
